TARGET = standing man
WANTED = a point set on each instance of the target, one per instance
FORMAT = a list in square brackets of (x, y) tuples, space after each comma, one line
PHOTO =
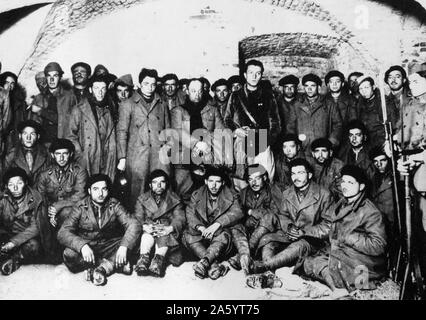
[(5, 120), (19, 234), (162, 217), (99, 234), (141, 121), (314, 118), (326, 167), (62, 186), (121, 91), (29, 155), (221, 93), (353, 84), (289, 86), (81, 73), (52, 108), (212, 211), (301, 227), (356, 256), (92, 131), (345, 103), (171, 93)]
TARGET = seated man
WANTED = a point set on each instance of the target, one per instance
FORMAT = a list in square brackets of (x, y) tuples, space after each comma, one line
[(93, 233), (257, 200), (290, 151), (300, 228), (62, 185), (30, 155), (19, 207), (326, 167), (162, 216), (356, 255), (212, 211)]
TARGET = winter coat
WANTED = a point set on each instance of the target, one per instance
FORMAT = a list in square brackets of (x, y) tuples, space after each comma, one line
[(382, 197), (84, 134), (21, 224), (170, 213), (138, 139), (229, 212), (5, 120), (347, 106), (321, 120), (81, 227), (414, 125), (329, 176), (16, 158), (363, 160)]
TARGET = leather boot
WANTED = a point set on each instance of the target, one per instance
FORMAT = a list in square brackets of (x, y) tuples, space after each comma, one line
[(201, 268), (258, 233), (10, 265), (217, 270), (286, 258), (234, 262), (142, 265), (125, 269), (157, 266)]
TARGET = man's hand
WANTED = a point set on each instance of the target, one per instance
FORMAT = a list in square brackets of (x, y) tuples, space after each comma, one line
[(121, 164), (210, 231), (52, 212), (201, 229), (87, 254), (35, 108), (7, 247), (241, 132), (148, 228), (121, 256), (165, 230), (294, 233), (245, 262)]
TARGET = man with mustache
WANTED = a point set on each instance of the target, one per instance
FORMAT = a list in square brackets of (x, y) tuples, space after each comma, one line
[(289, 86), (299, 229), (161, 213), (356, 255), (81, 72), (326, 167), (62, 185), (52, 108), (99, 234), (19, 234), (213, 210)]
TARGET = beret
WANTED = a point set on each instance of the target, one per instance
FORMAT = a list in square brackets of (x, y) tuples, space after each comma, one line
[(254, 168), (235, 79), (15, 172), (61, 144), (311, 77), (170, 76), (53, 66), (29, 123), (218, 83), (215, 171), (321, 143), (82, 64), (334, 73), (356, 172), (290, 137), (126, 80), (290, 79), (361, 79), (375, 152), (97, 178), (158, 173)]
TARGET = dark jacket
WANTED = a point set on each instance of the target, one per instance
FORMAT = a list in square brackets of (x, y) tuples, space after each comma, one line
[(5, 118), (267, 202), (321, 120), (329, 176), (82, 228), (229, 212), (363, 161), (21, 224), (84, 133), (346, 104), (382, 196), (16, 158), (170, 213), (266, 115)]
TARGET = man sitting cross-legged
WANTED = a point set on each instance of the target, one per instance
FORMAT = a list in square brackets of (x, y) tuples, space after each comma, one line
[(212, 211), (257, 200), (19, 234), (93, 233), (162, 216), (300, 227)]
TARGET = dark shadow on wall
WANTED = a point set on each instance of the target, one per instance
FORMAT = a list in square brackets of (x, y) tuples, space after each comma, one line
[(9, 18), (408, 7)]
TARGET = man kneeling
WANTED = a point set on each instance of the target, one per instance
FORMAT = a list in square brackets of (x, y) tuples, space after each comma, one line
[(356, 255), (161, 214), (212, 211), (93, 233), (19, 234)]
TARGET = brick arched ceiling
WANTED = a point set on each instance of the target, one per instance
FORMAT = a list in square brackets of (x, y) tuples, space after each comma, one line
[(67, 16)]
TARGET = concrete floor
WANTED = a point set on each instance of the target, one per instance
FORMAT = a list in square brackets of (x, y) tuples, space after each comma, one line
[(56, 282)]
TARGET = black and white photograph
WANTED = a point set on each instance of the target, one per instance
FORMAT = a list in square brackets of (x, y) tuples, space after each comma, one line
[(213, 151)]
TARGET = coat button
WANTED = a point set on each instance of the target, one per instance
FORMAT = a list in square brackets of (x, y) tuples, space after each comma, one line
[(150, 145), (149, 131)]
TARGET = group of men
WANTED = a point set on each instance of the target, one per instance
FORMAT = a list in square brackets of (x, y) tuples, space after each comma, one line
[(308, 183)]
